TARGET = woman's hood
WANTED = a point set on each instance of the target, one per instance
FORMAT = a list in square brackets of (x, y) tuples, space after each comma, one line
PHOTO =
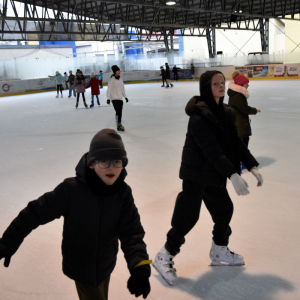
[(238, 89), (206, 92)]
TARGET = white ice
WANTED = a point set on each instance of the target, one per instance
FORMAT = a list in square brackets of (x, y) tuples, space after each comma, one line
[(43, 138)]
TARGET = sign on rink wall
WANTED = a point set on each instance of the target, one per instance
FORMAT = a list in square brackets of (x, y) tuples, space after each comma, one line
[(282, 70)]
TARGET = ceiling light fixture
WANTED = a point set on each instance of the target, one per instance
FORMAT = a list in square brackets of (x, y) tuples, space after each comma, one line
[(170, 2)]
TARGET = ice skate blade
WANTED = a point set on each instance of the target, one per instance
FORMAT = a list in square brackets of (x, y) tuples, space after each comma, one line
[(223, 264), (166, 280)]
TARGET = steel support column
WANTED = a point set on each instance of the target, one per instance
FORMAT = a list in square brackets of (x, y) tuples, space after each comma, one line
[(211, 42), (264, 34)]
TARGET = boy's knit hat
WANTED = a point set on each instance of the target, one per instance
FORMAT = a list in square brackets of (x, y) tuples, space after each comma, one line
[(56, 72), (106, 144), (115, 68), (92, 74), (238, 78)]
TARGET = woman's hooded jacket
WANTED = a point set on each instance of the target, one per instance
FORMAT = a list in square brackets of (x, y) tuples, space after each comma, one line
[(213, 150), (79, 82), (238, 96)]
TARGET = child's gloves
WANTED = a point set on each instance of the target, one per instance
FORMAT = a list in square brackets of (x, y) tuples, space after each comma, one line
[(108, 101), (258, 176), (239, 184), (126, 100), (138, 283), (6, 254)]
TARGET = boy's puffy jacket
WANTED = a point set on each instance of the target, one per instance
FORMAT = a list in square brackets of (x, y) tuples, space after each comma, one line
[(96, 216)]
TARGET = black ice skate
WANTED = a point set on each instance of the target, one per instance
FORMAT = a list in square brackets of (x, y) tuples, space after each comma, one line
[(120, 127)]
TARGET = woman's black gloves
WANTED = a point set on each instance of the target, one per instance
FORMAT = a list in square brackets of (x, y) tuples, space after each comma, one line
[(138, 283)]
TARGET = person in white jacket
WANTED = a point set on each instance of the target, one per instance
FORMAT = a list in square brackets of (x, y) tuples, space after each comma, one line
[(116, 92)]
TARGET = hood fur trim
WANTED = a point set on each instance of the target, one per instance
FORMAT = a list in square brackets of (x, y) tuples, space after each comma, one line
[(239, 89)]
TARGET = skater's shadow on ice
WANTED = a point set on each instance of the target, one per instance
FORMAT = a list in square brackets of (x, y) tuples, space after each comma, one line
[(265, 161), (228, 283), (56, 134)]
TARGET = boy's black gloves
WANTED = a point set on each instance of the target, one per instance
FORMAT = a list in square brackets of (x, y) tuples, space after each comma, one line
[(126, 100), (108, 101), (138, 283), (5, 253)]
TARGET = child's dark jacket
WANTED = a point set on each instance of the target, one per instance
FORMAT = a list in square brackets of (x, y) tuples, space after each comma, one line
[(95, 217), (212, 151)]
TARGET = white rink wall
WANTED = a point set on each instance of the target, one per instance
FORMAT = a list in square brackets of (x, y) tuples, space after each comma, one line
[(40, 84)]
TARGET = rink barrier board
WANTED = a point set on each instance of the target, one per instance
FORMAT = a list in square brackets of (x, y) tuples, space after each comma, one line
[(136, 82), (46, 84)]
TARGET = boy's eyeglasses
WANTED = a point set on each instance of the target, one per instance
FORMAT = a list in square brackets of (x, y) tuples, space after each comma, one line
[(105, 164)]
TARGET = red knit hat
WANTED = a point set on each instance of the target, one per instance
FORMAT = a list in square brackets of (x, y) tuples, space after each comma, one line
[(240, 79)]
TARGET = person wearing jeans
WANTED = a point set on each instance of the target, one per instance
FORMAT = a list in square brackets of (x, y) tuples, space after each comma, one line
[(71, 80)]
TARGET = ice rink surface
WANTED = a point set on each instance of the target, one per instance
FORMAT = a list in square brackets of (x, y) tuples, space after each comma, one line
[(43, 138)]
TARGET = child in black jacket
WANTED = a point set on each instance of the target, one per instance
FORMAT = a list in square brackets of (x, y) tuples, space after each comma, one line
[(98, 209), (163, 75), (212, 153)]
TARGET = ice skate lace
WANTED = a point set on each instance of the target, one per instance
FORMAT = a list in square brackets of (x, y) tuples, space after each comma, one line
[(230, 253), (168, 264)]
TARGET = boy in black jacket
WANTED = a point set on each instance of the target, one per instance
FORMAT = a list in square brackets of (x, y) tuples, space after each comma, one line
[(163, 75), (98, 209)]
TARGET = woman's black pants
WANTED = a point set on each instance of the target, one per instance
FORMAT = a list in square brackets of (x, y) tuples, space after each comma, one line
[(118, 106), (59, 88), (187, 210)]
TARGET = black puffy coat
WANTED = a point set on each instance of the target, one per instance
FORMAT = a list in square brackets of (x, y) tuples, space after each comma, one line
[(167, 72), (212, 151), (95, 217)]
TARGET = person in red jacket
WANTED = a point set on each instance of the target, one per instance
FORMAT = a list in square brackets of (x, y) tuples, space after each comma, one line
[(94, 84)]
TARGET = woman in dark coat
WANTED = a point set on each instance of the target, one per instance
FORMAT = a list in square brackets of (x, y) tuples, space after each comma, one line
[(238, 95), (211, 154)]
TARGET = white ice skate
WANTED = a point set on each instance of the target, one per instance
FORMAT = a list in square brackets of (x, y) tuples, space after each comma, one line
[(222, 256), (61, 96), (164, 266), (56, 96)]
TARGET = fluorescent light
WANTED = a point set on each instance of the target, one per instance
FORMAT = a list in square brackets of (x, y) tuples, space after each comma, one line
[(240, 11), (170, 2)]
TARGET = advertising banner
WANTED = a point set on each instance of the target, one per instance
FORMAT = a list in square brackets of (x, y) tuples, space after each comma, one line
[(260, 71), (286, 70)]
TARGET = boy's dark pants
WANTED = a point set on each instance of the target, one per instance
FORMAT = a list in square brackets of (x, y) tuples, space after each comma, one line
[(187, 210), (87, 292), (118, 106)]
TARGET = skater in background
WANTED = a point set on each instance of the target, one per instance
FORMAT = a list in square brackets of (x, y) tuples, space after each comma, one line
[(66, 80), (59, 81), (175, 73), (163, 75), (168, 76), (94, 84), (211, 154), (71, 80), (80, 84), (193, 71), (238, 95), (100, 77), (98, 210), (116, 92)]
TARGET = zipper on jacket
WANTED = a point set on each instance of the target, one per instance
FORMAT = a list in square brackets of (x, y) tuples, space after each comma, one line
[(97, 244)]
